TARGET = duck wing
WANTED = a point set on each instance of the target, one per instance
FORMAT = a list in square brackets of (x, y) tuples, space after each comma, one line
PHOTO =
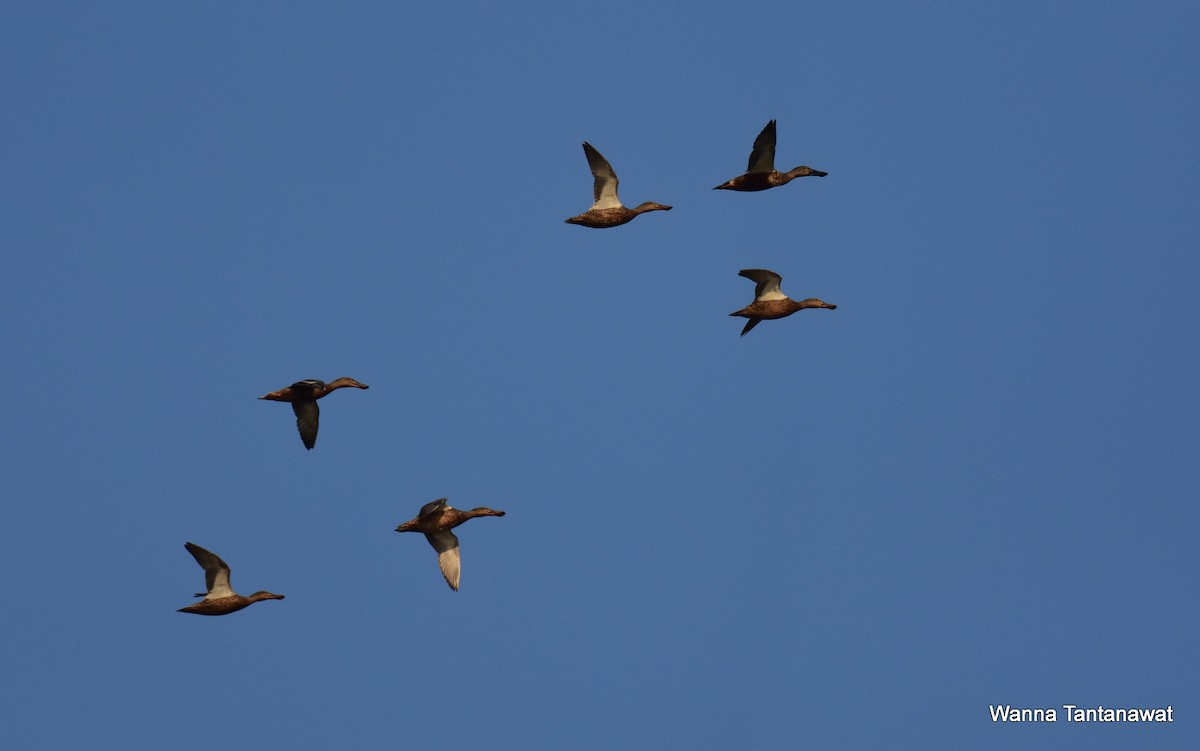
[(766, 284), (762, 156), (307, 418), (604, 189), (446, 545), (433, 507), (750, 323), (308, 386), (216, 572)]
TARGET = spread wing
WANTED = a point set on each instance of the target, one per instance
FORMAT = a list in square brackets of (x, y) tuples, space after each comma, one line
[(762, 156), (307, 416), (216, 573), (604, 190), (766, 284), (446, 545)]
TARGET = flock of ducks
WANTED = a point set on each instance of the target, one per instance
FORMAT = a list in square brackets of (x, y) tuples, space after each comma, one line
[(437, 518), (608, 211)]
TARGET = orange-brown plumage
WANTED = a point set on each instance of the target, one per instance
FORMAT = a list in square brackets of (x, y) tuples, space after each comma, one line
[(614, 217)]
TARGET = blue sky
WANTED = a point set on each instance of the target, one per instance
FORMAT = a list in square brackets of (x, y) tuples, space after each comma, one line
[(973, 483)]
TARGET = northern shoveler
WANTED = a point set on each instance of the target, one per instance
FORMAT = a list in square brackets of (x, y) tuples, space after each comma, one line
[(769, 300), (220, 598), (761, 173), (607, 210), (436, 519), (303, 396)]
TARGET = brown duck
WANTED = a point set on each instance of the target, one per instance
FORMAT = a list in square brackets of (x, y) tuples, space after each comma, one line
[(436, 519), (769, 300), (220, 598), (607, 210), (304, 395), (761, 173)]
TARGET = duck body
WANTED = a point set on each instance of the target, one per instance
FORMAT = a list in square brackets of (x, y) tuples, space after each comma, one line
[(227, 605), (769, 301), (303, 396), (754, 181), (435, 520), (760, 172), (311, 390), (602, 218), (607, 209), (219, 599)]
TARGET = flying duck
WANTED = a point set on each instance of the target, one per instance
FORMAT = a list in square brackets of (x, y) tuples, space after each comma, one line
[(304, 395), (769, 300), (607, 210), (761, 173), (436, 519), (220, 598)]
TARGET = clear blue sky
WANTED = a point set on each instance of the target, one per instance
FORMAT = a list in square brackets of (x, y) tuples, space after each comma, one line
[(975, 482)]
